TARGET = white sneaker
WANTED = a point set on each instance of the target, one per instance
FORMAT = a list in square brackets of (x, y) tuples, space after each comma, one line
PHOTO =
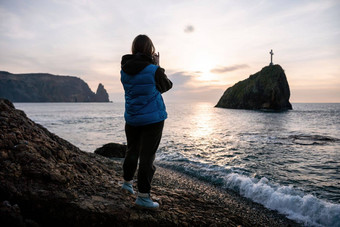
[(143, 201), (127, 186)]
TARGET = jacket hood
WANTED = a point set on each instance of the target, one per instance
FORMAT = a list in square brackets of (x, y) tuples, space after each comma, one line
[(134, 63)]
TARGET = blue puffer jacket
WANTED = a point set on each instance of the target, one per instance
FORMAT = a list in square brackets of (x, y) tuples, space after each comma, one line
[(143, 102)]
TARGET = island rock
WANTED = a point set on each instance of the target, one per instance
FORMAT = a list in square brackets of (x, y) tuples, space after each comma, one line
[(267, 90), (43, 87)]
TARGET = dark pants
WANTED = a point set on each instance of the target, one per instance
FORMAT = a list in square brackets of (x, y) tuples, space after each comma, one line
[(142, 143)]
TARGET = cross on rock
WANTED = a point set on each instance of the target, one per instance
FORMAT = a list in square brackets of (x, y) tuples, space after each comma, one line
[(271, 57)]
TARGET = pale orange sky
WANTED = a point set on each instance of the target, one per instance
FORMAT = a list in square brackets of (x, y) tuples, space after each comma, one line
[(205, 46)]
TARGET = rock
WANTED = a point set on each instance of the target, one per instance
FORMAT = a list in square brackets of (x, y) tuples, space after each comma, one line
[(101, 94), (10, 215), (267, 89), (112, 150), (44, 87), (48, 177)]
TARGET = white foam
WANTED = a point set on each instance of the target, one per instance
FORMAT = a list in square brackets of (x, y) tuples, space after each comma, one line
[(305, 209)]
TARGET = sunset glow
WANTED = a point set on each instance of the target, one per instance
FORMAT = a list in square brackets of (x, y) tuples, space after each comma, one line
[(205, 47)]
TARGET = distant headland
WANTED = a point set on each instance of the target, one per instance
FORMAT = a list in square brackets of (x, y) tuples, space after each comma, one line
[(44, 87)]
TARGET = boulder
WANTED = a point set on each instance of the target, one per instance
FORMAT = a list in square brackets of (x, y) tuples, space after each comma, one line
[(112, 150), (267, 89)]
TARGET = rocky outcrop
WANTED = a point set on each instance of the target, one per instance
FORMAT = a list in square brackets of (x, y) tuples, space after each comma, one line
[(51, 180), (112, 150), (46, 181), (43, 87), (101, 94), (267, 89)]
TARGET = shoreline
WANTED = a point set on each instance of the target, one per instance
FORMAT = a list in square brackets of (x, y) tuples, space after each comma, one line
[(226, 207), (47, 181)]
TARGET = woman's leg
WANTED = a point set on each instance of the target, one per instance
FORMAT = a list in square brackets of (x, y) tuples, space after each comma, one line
[(132, 152), (150, 138)]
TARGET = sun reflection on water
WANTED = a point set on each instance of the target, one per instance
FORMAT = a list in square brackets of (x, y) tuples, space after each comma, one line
[(208, 141), (202, 123)]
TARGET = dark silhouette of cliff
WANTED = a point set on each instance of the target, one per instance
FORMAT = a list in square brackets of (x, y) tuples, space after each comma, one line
[(44, 87), (267, 89)]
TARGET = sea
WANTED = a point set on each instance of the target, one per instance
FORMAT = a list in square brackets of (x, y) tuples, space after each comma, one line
[(287, 161)]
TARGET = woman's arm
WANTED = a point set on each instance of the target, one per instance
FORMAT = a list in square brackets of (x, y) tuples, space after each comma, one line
[(163, 84)]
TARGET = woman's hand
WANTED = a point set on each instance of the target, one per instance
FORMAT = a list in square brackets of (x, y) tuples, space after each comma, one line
[(156, 58)]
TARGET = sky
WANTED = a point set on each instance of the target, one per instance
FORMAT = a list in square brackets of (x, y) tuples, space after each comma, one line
[(205, 46)]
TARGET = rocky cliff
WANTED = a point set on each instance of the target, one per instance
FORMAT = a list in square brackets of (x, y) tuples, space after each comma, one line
[(46, 181), (43, 87), (267, 89)]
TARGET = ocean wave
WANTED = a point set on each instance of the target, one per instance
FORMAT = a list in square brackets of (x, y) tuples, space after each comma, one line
[(299, 139), (312, 139), (306, 209), (287, 200)]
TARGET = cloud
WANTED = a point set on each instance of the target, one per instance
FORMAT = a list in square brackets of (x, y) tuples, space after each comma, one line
[(180, 79), (11, 26), (186, 87), (225, 69), (189, 29)]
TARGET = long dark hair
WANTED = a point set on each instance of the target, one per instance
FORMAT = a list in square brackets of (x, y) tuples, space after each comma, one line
[(143, 44)]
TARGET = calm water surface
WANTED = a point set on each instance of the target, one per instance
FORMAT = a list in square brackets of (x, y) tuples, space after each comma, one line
[(287, 161)]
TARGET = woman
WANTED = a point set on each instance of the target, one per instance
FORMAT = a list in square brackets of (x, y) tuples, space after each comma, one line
[(145, 112)]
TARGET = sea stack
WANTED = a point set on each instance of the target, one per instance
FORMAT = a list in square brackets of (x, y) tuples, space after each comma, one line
[(267, 89), (101, 94)]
